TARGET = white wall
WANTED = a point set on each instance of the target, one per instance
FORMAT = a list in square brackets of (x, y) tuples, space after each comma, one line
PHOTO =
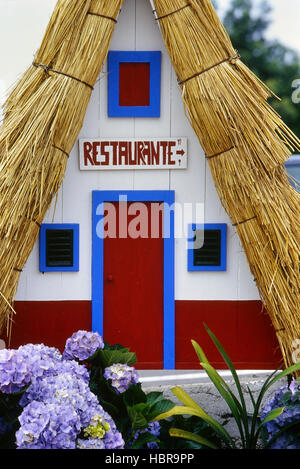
[(135, 30), (22, 26)]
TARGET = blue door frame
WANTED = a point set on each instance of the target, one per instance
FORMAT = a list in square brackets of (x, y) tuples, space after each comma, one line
[(168, 198)]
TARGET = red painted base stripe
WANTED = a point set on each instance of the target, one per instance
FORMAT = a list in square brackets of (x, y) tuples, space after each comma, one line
[(49, 322), (243, 327)]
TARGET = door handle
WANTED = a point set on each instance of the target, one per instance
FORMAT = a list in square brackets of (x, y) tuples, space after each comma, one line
[(109, 278)]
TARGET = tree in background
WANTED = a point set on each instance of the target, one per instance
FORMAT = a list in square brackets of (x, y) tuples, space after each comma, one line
[(275, 64)]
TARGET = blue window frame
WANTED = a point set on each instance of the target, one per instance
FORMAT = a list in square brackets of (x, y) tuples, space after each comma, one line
[(59, 247), (167, 197), (114, 60), (293, 169), (211, 254)]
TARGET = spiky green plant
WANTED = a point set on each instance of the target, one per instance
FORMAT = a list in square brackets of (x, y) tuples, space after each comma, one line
[(249, 426)]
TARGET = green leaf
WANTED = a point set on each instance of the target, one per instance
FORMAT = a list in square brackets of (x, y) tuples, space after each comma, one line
[(110, 357), (137, 417), (177, 432), (234, 374), (257, 404), (160, 407), (199, 412), (184, 397), (94, 360), (111, 409), (191, 424), (288, 371), (284, 429), (272, 379), (207, 366), (272, 415), (153, 397), (286, 398), (227, 395), (230, 365), (108, 346), (189, 402), (143, 439), (199, 351), (251, 397), (134, 395)]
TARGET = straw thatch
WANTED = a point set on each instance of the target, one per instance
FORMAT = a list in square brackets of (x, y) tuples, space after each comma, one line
[(43, 116), (246, 144)]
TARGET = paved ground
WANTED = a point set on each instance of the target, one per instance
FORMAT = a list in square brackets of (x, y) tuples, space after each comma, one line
[(173, 377)]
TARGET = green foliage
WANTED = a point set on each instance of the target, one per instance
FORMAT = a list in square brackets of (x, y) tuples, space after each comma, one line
[(275, 64), (281, 434), (290, 400), (134, 409), (181, 432), (249, 428), (103, 358), (131, 410), (9, 414)]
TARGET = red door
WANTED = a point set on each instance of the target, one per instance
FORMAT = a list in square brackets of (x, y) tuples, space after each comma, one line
[(134, 282)]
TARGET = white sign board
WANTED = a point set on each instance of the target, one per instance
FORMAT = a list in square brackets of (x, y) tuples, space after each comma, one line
[(133, 153)]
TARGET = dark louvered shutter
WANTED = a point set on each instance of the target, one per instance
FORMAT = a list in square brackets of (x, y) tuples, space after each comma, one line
[(210, 253), (59, 248)]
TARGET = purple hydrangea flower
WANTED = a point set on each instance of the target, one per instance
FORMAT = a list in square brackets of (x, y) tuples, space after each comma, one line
[(43, 351), (15, 372), (48, 370), (113, 440), (66, 389), (73, 367), (90, 443), (103, 427), (58, 404), (82, 345), (121, 376), (289, 415), (48, 426), (42, 360), (294, 386), (154, 429)]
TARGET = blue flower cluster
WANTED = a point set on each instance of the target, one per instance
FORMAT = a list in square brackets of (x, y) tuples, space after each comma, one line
[(82, 345), (288, 398), (154, 429), (48, 425), (90, 443), (59, 409), (15, 372), (121, 376)]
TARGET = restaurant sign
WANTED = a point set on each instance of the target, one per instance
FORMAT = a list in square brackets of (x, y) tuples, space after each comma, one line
[(133, 153)]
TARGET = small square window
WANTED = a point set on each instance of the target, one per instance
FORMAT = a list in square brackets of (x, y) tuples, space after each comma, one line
[(293, 170), (211, 253), (134, 83), (59, 248)]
